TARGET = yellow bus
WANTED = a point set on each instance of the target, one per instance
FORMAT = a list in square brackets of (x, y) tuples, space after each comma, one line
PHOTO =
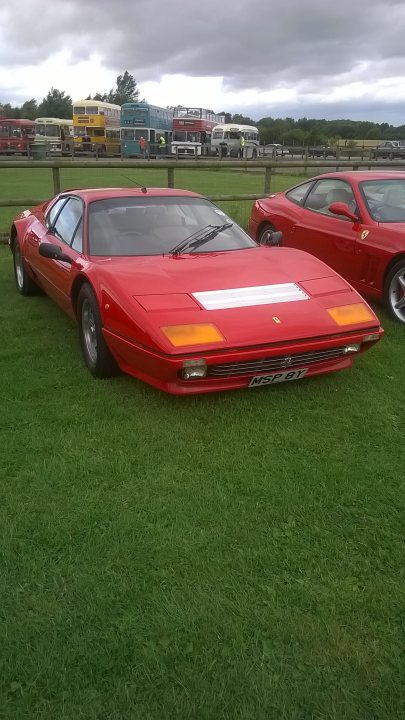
[(96, 126), (57, 133)]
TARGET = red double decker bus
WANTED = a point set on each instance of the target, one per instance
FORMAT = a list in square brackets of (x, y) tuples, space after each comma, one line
[(16, 136), (192, 128)]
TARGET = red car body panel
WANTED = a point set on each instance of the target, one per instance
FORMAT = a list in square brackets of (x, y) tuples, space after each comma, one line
[(137, 296), (361, 252)]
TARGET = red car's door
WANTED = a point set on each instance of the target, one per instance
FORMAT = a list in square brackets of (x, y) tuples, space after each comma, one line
[(330, 237), (65, 229)]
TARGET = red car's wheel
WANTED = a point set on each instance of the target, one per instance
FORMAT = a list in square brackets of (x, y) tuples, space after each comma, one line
[(25, 284), (394, 291), (96, 354), (265, 234)]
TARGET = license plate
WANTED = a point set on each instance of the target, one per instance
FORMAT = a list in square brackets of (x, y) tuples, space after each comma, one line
[(278, 377)]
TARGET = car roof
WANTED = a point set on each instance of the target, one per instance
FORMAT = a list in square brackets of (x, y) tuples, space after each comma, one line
[(361, 175), (89, 194)]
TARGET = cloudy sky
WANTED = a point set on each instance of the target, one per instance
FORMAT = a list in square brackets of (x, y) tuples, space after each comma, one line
[(261, 58)]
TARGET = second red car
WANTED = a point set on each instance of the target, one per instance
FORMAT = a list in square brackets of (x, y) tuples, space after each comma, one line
[(353, 221)]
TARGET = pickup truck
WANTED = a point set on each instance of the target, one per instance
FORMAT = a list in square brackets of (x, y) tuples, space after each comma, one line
[(390, 149)]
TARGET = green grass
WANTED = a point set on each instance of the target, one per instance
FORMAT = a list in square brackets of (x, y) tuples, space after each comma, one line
[(23, 183), (230, 556)]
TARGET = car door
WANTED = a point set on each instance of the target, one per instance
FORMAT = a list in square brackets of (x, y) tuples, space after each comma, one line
[(65, 229), (332, 238)]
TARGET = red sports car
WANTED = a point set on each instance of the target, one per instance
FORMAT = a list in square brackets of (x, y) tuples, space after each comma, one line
[(166, 287), (353, 221)]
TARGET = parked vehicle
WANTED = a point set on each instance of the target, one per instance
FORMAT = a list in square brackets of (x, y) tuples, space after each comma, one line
[(226, 141), (166, 287), (389, 150), (353, 221), (96, 127), (150, 122), (16, 136), (192, 131), (274, 150), (323, 151)]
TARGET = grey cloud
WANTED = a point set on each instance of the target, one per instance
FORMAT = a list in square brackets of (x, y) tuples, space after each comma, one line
[(251, 43)]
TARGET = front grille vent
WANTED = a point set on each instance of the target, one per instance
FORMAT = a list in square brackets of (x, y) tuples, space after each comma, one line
[(283, 362)]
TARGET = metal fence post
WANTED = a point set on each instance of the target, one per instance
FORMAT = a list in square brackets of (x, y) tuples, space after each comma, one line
[(56, 180)]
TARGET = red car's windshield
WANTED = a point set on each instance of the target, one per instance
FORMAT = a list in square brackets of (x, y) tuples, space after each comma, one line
[(385, 199), (155, 225)]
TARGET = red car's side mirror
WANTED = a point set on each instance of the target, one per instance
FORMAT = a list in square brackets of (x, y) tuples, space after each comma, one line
[(53, 252), (340, 208)]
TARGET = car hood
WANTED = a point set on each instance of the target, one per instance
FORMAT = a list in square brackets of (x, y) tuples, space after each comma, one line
[(254, 296)]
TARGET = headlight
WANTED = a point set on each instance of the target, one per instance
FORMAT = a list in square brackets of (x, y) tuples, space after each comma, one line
[(198, 334), (194, 369), (350, 314)]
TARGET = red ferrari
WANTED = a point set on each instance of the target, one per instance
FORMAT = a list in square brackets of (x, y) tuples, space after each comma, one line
[(353, 221), (166, 287)]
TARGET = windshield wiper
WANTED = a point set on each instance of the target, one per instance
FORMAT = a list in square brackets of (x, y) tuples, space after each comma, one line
[(200, 237)]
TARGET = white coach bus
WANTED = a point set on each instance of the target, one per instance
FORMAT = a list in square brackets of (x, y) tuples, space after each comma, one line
[(57, 133), (226, 141)]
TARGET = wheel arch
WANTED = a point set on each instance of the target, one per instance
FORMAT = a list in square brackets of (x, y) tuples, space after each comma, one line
[(397, 258), (78, 283), (17, 232), (13, 236)]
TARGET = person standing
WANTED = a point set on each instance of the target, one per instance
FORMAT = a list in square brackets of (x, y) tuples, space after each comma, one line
[(162, 144), (242, 146), (142, 146)]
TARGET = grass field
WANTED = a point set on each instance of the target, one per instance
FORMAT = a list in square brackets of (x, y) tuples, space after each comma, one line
[(222, 557)]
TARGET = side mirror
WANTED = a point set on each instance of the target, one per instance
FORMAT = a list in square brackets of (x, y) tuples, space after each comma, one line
[(272, 239), (53, 252), (340, 208)]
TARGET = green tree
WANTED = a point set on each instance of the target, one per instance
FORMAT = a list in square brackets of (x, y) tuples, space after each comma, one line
[(29, 109), (242, 120), (125, 90), (99, 96), (8, 111), (56, 104)]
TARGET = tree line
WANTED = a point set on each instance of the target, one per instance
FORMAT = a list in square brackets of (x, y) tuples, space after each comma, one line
[(287, 131)]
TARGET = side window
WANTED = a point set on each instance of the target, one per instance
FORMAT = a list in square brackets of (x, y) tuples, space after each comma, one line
[(50, 218), (69, 221), (298, 194), (77, 243), (329, 191)]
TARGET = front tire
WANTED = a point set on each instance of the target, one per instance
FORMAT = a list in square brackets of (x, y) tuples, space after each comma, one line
[(394, 291), (96, 354), (25, 284), (265, 233)]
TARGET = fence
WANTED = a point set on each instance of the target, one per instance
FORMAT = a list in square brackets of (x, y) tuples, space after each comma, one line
[(268, 167)]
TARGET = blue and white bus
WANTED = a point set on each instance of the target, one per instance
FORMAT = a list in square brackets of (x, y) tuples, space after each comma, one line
[(147, 121)]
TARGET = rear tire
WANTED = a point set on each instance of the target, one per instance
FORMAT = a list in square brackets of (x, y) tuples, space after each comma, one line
[(25, 284), (394, 292), (96, 354)]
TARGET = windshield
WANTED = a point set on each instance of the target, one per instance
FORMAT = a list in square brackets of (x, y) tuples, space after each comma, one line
[(155, 225), (385, 199)]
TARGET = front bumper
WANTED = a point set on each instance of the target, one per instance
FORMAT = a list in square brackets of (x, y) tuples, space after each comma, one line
[(234, 368)]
